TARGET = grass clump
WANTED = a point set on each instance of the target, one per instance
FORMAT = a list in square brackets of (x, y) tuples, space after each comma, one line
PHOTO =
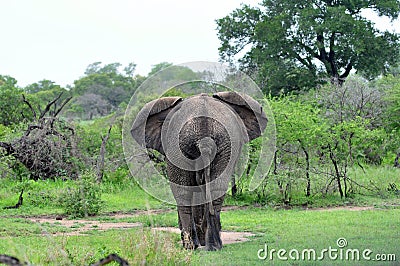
[(85, 199)]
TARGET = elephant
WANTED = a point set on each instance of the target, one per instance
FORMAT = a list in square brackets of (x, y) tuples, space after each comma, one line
[(201, 138)]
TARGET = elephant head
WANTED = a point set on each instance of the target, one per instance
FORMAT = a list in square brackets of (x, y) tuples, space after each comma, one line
[(201, 138)]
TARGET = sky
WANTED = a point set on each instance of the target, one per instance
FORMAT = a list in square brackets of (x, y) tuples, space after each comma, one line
[(57, 40)]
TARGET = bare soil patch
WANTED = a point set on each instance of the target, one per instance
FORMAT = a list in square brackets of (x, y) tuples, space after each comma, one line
[(82, 226), (79, 227)]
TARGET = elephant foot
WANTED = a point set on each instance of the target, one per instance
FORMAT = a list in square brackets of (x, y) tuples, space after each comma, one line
[(213, 247), (209, 248), (188, 241)]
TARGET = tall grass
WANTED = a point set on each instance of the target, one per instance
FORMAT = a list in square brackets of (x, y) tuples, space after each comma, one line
[(138, 246)]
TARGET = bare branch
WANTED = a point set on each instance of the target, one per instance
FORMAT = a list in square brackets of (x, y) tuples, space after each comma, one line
[(49, 105), (29, 105), (8, 147), (62, 106), (30, 128)]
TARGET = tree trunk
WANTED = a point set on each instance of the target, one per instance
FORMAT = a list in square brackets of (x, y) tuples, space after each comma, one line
[(308, 189), (337, 173)]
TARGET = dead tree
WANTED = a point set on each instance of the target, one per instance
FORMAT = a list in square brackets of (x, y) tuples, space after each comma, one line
[(100, 161), (47, 148)]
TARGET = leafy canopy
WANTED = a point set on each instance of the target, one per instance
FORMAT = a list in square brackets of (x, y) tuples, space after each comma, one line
[(289, 44), (12, 108)]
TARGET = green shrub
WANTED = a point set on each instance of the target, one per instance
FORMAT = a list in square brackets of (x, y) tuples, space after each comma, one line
[(85, 199)]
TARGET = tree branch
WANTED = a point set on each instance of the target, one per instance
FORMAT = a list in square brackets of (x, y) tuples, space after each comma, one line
[(49, 105), (29, 105), (332, 53), (62, 106), (8, 147), (347, 70)]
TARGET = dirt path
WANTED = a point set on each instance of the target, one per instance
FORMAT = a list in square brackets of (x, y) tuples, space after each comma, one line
[(80, 227)]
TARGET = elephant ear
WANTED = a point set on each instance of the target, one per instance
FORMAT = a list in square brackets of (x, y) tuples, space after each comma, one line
[(248, 109), (146, 129)]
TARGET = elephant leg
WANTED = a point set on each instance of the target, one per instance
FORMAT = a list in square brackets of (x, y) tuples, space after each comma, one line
[(200, 223), (187, 226), (184, 196), (213, 231)]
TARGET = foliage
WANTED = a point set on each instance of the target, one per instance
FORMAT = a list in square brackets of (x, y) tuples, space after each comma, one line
[(85, 199), (43, 85), (47, 145), (323, 134), (391, 86), (90, 140), (289, 45), (12, 109), (158, 67), (102, 90)]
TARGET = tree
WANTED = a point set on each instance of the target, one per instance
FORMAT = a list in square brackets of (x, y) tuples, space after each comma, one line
[(159, 67), (106, 83), (299, 127), (391, 84), (88, 106), (12, 109), (308, 39), (130, 69), (355, 136), (48, 146), (43, 85), (43, 92)]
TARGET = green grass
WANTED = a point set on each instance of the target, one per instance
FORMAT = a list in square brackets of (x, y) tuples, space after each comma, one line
[(378, 230), (274, 226), (129, 199), (372, 186), (43, 197), (17, 227), (135, 245)]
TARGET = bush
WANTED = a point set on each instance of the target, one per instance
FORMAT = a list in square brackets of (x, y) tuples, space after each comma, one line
[(85, 199)]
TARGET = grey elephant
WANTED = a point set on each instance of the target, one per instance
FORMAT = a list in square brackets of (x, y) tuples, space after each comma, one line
[(201, 138)]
